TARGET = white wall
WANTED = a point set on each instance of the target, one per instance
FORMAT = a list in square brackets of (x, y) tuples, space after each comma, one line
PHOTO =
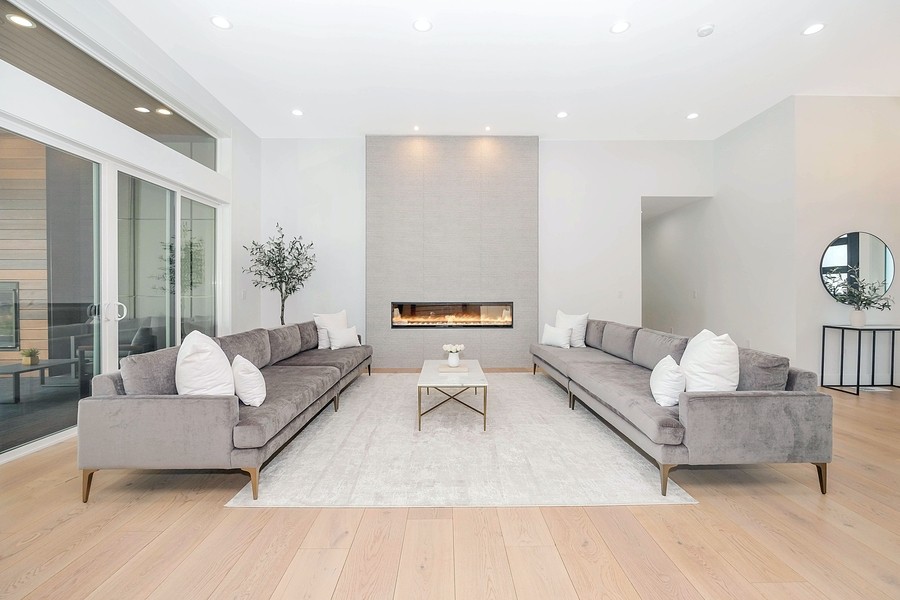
[(589, 218), (725, 263), (245, 216), (317, 189)]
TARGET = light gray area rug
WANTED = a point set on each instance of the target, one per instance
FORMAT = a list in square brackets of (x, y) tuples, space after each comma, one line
[(536, 452)]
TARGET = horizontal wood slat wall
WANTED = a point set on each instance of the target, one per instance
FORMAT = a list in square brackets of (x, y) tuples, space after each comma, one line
[(23, 235)]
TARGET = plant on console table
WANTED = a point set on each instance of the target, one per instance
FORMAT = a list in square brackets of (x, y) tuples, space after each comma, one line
[(281, 266), (31, 356), (854, 291), (453, 351)]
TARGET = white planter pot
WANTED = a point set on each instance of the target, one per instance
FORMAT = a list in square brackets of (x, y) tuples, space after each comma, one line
[(858, 318), (453, 359)]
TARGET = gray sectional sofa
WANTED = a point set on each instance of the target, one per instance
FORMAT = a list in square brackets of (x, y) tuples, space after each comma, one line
[(136, 419), (775, 416)]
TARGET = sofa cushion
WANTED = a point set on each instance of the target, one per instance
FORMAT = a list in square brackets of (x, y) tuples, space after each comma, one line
[(289, 391), (625, 389), (561, 359), (151, 373), (252, 345), (284, 342), (762, 371), (345, 359), (618, 340), (593, 335), (309, 336), (651, 346)]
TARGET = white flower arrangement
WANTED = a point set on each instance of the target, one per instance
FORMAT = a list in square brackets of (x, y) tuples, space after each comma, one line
[(454, 348)]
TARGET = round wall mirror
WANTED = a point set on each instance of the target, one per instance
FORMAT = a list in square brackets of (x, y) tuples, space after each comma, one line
[(859, 250)]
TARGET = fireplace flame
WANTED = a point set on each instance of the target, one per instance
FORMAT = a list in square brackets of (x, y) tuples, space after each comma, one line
[(501, 318)]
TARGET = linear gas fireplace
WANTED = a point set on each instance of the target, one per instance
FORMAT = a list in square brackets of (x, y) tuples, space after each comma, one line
[(451, 314)]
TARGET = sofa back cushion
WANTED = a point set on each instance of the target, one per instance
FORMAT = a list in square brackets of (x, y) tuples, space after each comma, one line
[(618, 340), (252, 345), (761, 371), (284, 342), (151, 373), (652, 346), (309, 336), (593, 335)]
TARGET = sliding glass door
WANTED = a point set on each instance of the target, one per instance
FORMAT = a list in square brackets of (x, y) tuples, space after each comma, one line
[(198, 267)]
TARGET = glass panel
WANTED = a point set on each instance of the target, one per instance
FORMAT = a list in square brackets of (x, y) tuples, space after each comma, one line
[(49, 257), (198, 267), (146, 266)]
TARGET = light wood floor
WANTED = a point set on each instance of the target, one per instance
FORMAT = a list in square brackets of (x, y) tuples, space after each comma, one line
[(758, 532)]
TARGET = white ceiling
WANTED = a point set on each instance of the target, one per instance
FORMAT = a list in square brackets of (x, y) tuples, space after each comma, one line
[(358, 67)]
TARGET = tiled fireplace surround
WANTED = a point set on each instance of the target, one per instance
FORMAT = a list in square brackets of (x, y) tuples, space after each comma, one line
[(451, 219)]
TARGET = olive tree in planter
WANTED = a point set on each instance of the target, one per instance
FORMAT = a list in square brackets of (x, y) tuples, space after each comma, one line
[(281, 266)]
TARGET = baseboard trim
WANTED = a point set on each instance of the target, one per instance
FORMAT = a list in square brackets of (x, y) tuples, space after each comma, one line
[(37, 445)]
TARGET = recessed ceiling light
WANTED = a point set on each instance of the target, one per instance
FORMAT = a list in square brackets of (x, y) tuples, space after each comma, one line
[(692, 116), (562, 114), (163, 111), (814, 28), (20, 21), (142, 109), (297, 112), (422, 25), (705, 30), (221, 22), (488, 128), (620, 27), (415, 127)]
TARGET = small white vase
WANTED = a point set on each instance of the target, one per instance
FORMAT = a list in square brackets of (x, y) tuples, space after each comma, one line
[(453, 359), (858, 318)]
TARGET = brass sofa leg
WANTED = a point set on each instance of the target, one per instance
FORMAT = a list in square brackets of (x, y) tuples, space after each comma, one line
[(87, 477), (822, 469), (664, 476), (253, 472), (571, 400)]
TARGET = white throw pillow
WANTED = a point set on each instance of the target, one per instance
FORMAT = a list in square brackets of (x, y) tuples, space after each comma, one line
[(343, 338), (666, 382), (710, 363), (578, 324), (325, 322), (554, 336), (249, 384), (202, 369)]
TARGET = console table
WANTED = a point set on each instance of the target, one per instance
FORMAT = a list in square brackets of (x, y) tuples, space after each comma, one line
[(891, 330)]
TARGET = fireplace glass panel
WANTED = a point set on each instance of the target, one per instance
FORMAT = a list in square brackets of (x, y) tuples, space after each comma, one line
[(451, 314)]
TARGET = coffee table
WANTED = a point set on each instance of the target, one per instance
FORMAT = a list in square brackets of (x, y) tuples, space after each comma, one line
[(431, 378)]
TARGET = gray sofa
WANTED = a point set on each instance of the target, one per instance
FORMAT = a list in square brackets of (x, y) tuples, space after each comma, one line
[(775, 416), (135, 419)]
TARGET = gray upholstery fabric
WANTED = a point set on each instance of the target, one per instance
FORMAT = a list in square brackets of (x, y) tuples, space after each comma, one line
[(156, 432), (252, 345), (761, 371), (151, 373), (625, 389), (801, 381), (756, 427), (309, 335), (108, 384), (562, 358), (284, 342), (593, 335), (618, 340), (652, 346), (289, 391), (345, 359)]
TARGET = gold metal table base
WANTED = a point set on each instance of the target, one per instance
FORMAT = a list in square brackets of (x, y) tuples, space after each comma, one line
[(450, 397)]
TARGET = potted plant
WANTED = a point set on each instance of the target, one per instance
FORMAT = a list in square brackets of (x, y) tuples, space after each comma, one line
[(854, 291), (279, 266), (31, 356), (453, 351)]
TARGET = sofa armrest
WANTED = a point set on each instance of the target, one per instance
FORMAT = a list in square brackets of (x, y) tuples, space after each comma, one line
[(756, 427), (156, 432)]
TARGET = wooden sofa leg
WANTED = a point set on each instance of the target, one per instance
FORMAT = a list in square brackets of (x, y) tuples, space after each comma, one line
[(664, 476), (337, 401), (822, 469), (534, 369), (369, 367), (253, 472), (87, 477)]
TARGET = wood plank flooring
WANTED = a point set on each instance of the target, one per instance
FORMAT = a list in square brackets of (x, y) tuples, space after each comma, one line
[(758, 532)]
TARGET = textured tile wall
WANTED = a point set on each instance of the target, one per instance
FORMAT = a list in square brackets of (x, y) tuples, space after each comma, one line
[(451, 219)]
